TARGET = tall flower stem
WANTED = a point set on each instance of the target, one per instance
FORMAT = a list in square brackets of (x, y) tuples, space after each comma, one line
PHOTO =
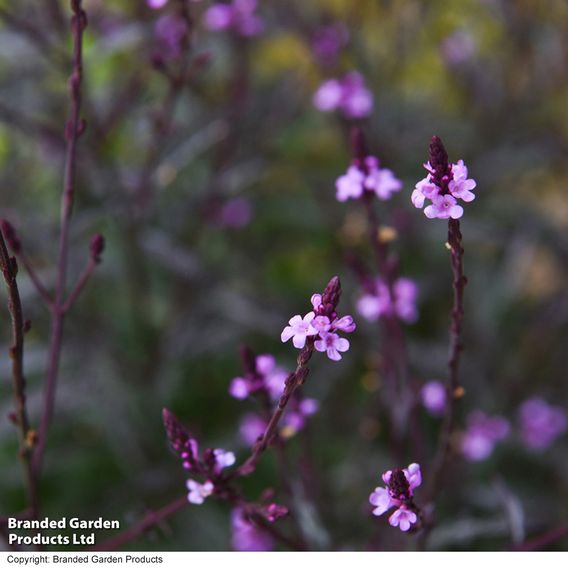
[(73, 131), (456, 346), (294, 380), (9, 270)]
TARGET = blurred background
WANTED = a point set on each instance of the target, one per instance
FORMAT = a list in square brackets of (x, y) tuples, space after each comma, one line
[(211, 173)]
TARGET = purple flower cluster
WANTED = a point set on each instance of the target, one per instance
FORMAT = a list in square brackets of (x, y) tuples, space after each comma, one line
[(170, 31), (349, 95), (252, 426), (328, 41), (207, 466), (321, 326), (399, 493), (264, 378), (239, 17), (246, 536), (541, 423), (444, 185), (456, 185), (367, 176), (380, 303), (482, 434), (267, 377)]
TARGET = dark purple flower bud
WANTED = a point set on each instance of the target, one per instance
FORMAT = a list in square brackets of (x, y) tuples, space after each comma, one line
[(330, 297), (179, 438), (96, 247), (438, 158)]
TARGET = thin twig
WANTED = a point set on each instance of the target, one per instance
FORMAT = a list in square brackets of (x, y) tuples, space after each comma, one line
[(456, 346), (79, 286), (73, 130), (293, 381), (150, 520), (544, 540), (27, 435)]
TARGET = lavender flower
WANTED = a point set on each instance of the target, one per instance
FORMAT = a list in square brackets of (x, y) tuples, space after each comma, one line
[(268, 377), (238, 16), (170, 31), (251, 428), (198, 492), (320, 326), (379, 303), (541, 423), (398, 492), (349, 95), (156, 4), (367, 176), (482, 434), (247, 537), (328, 42), (433, 396), (443, 186)]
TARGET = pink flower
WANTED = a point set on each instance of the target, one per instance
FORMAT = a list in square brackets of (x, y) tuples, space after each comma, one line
[(246, 536), (239, 388), (461, 186), (156, 4), (348, 94), (299, 329), (399, 493), (367, 177), (239, 17), (443, 207), (381, 500), (332, 344), (251, 428), (350, 185), (403, 518), (433, 395), (482, 434), (444, 191), (199, 492), (380, 304), (541, 423), (223, 459), (322, 323)]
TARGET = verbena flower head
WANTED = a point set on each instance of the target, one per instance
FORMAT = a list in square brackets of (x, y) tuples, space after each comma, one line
[(263, 376), (482, 434), (328, 41), (321, 325), (378, 302), (209, 465), (170, 31), (433, 397), (366, 175), (239, 17), (398, 492), (444, 185), (246, 536), (349, 95), (541, 423)]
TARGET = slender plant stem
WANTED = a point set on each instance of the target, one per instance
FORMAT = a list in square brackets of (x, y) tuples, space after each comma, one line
[(544, 540), (27, 435), (73, 130), (79, 286), (293, 381), (455, 349), (36, 281), (150, 520)]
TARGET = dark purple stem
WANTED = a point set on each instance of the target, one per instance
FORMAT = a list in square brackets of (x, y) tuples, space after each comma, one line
[(73, 130), (9, 270), (544, 540), (455, 349)]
